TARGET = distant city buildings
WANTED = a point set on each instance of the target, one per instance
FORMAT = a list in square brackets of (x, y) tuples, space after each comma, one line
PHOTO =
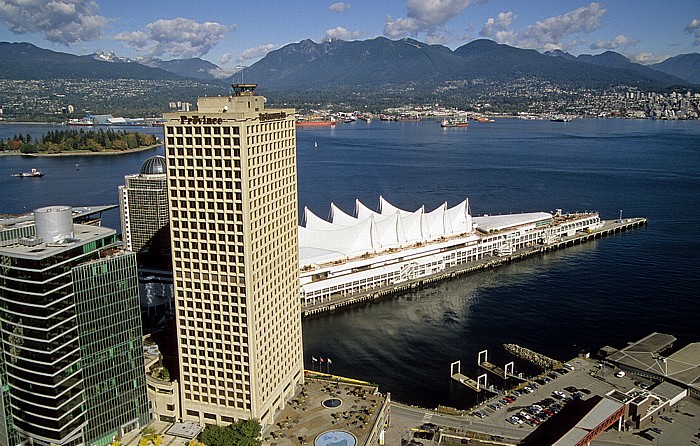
[(72, 355), (181, 106), (233, 203)]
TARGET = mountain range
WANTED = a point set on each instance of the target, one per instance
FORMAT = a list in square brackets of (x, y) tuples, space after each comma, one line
[(685, 66), (369, 65), (381, 63)]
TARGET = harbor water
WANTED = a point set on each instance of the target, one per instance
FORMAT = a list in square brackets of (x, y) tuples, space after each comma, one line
[(606, 292)]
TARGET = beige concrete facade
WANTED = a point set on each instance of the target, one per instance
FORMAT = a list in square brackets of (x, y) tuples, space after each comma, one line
[(233, 204)]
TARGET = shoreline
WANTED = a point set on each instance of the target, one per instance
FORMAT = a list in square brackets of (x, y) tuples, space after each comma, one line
[(86, 153)]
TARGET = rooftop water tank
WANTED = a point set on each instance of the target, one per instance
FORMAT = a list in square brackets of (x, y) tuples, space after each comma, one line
[(54, 224)]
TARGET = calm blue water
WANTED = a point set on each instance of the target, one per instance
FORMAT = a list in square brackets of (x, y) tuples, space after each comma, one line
[(608, 292)]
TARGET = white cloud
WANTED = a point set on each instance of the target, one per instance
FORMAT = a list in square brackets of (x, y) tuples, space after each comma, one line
[(424, 16), (498, 29), (178, 38), (225, 58), (551, 33), (343, 34), (553, 30), (257, 52), (223, 73), (646, 58), (501, 23), (339, 7), (61, 21), (694, 28), (620, 41)]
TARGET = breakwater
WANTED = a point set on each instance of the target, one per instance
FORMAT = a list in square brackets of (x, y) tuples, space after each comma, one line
[(609, 227), (536, 358)]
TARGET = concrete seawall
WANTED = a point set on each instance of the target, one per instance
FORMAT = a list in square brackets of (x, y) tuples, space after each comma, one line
[(609, 227)]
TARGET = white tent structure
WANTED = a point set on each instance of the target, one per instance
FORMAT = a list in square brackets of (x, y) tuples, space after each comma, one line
[(369, 232)]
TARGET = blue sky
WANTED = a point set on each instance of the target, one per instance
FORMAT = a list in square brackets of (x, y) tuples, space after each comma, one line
[(230, 33)]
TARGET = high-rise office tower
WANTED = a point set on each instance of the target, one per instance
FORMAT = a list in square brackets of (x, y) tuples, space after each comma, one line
[(143, 202), (72, 354), (233, 203)]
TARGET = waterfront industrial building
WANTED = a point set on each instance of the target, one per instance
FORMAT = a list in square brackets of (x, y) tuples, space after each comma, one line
[(645, 358), (71, 353), (233, 207), (358, 253)]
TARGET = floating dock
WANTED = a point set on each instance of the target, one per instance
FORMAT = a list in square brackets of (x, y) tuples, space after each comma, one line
[(467, 381), (609, 227), (493, 368)]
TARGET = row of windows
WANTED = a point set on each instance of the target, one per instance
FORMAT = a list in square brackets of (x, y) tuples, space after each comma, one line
[(207, 173), (206, 141), (198, 130), (274, 125), (221, 402), (283, 136), (202, 151)]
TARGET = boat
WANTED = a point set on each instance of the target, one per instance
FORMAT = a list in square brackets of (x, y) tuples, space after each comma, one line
[(484, 119), (408, 118), (86, 121), (316, 122), (33, 174), (454, 123), (560, 118)]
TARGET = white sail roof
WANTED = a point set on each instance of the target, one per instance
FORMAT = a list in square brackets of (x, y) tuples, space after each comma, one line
[(371, 232), (459, 218), (347, 242), (340, 218), (362, 212), (414, 226), (387, 208), (390, 231), (313, 221), (438, 223)]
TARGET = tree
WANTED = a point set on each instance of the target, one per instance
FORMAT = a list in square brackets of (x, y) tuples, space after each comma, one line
[(240, 433)]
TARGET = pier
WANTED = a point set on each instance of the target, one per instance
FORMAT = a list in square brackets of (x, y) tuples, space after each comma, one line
[(463, 379), (493, 368), (609, 227)]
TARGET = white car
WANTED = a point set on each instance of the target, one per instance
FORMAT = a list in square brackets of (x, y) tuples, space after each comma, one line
[(620, 374)]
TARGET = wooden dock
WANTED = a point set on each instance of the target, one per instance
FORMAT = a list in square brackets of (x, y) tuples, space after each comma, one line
[(467, 381), (493, 368)]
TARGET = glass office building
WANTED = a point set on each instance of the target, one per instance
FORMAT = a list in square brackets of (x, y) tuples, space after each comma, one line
[(71, 333), (143, 203)]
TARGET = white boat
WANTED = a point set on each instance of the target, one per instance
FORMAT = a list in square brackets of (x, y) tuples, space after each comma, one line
[(33, 174)]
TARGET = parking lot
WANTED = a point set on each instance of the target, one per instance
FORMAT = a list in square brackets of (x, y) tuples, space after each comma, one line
[(540, 398), (527, 409)]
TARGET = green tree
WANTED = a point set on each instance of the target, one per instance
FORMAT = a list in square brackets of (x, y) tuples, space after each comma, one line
[(240, 433), (28, 148)]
